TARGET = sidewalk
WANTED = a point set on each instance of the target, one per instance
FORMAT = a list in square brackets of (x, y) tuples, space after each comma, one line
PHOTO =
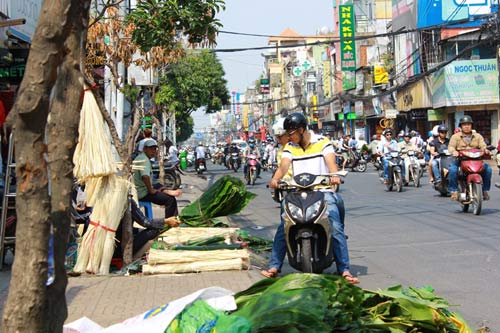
[(110, 299)]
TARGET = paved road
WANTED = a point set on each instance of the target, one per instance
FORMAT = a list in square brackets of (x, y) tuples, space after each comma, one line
[(411, 238)]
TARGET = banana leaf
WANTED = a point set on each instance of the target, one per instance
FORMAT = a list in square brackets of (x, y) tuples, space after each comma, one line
[(227, 196)]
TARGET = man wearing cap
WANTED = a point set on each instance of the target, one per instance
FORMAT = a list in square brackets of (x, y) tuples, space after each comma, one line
[(143, 180), (467, 139)]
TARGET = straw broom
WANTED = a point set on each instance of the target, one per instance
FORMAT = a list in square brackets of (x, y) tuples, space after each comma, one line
[(98, 244), (93, 156)]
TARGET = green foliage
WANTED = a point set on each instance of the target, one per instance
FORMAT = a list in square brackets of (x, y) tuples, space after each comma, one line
[(195, 81), (228, 195), (131, 93), (167, 23)]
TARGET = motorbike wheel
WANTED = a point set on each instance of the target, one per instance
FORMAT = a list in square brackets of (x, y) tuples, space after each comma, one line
[(415, 174), (171, 181), (306, 256), (361, 167), (477, 198), (398, 180), (253, 176)]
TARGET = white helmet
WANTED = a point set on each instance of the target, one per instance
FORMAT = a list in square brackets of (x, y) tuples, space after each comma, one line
[(278, 128), (435, 130)]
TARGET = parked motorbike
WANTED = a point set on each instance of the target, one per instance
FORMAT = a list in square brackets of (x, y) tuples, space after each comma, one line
[(470, 182), (251, 174), (445, 159), (200, 165), (171, 174), (235, 161), (395, 171), (309, 241), (355, 162)]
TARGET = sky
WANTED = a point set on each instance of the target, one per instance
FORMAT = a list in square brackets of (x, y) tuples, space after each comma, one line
[(264, 17)]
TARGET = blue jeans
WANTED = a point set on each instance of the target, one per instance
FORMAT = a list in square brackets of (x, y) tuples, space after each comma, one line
[(385, 162), (340, 250), (435, 170), (453, 177)]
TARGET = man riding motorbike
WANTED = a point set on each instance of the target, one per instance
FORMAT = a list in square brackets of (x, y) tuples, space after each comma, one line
[(438, 144), (404, 147), (467, 139), (384, 147), (251, 149), (311, 153)]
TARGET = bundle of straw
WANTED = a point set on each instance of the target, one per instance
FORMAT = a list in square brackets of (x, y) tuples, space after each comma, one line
[(165, 261), (98, 244), (93, 156), (175, 236)]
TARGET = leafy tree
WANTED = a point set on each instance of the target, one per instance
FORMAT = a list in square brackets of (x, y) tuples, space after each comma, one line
[(195, 81)]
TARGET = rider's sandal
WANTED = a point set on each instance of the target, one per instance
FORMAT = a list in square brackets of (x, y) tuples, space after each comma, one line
[(270, 273), (349, 278)]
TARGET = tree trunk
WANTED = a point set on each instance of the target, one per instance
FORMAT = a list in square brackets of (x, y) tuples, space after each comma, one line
[(25, 310), (62, 135)]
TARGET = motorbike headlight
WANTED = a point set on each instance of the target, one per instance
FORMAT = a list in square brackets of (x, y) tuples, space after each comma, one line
[(295, 211), (313, 210)]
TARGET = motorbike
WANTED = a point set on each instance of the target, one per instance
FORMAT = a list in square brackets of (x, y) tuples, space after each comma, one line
[(218, 158), (190, 158), (355, 162), (445, 159), (309, 241), (395, 171), (234, 161), (200, 165), (414, 169), (171, 174), (251, 174), (470, 182)]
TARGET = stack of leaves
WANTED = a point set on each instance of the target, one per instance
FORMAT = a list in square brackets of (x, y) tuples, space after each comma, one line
[(300, 303), (255, 243), (399, 310), (226, 196), (326, 303)]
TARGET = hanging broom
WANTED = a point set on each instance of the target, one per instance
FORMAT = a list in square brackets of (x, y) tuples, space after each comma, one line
[(93, 156)]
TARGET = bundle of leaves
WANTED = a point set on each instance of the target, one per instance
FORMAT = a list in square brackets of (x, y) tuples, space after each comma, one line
[(226, 196), (327, 303), (300, 303)]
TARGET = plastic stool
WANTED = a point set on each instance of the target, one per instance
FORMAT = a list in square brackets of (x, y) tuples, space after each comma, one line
[(149, 208)]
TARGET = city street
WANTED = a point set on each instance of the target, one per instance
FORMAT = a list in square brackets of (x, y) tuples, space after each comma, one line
[(413, 238)]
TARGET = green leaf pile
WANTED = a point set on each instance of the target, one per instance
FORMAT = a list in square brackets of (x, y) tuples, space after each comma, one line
[(227, 196)]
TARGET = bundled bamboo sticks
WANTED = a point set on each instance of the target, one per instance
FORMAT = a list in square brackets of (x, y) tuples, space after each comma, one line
[(175, 236)]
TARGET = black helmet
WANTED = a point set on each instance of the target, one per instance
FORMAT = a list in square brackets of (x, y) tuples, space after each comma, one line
[(251, 140), (388, 130), (442, 128), (294, 121), (465, 120)]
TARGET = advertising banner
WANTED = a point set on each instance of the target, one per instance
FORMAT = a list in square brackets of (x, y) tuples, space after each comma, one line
[(348, 80), (434, 12), (347, 30), (471, 82)]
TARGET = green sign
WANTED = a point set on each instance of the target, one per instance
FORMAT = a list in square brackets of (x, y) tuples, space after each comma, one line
[(347, 33), (436, 115), (351, 116), (340, 116), (469, 82), (348, 80), (12, 72)]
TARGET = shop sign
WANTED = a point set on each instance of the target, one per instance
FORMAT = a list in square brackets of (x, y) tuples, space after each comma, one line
[(391, 113), (471, 82), (380, 75), (348, 80), (347, 31), (12, 72), (418, 114), (436, 115), (351, 116)]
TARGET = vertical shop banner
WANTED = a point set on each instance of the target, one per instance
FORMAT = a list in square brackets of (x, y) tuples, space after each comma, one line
[(245, 117), (348, 80), (327, 81), (347, 31)]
